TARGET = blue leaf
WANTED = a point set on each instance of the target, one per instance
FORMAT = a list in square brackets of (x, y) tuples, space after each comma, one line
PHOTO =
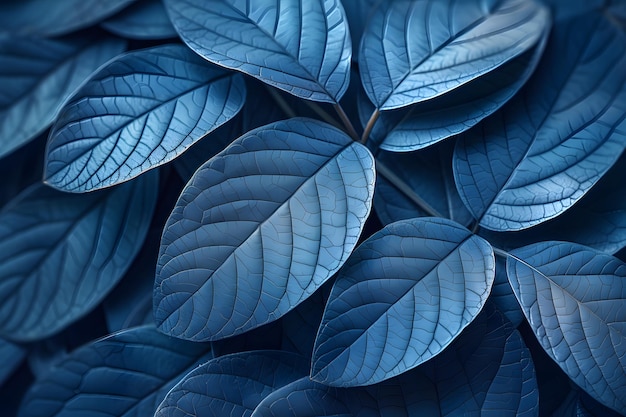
[(146, 19), (408, 182), (62, 253), (260, 227), (546, 148), (44, 18), (358, 13), (413, 51), (574, 298), (566, 9), (232, 385), (502, 295), (125, 374), (302, 47), (38, 75), (404, 295), (11, 356), (21, 169), (138, 112)]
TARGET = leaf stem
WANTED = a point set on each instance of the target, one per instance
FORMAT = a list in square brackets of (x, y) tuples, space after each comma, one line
[(500, 252), (476, 227), (323, 114), (284, 106), (370, 125), (397, 182), (346, 122)]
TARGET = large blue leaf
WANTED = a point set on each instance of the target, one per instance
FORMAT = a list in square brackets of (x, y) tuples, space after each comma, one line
[(138, 112), (126, 374), (259, 227), (146, 19), (502, 295), (38, 75), (53, 18), (546, 148), (302, 47), (414, 50), (232, 385), (574, 299), (405, 294), (62, 253)]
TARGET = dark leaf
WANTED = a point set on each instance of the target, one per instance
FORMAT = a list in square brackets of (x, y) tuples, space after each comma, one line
[(502, 295), (574, 298), (62, 253), (138, 112), (358, 13), (260, 227), (404, 295), (546, 148), (232, 385), (146, 19), (11, 357), (302, 47)]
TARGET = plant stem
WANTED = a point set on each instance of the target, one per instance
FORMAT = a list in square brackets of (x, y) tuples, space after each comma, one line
[(500, 252), (284, 106), (346, 122), (323, 114), (476, 227), (370, 125), (397, 182)]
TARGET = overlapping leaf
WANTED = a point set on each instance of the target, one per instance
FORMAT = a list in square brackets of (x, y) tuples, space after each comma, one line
[(11, 356), (575, 301), (38, 75), (414, 50), (146, 19), (548, 146), (232, 385), (302, 47), (259, 227), (61, 253), (404, 295), (125, 374)]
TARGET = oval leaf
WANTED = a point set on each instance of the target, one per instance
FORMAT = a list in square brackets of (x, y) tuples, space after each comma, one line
[(38, 75), (404, 295), (574, 298), (125, 374), (62, 253), (138, 112), (302, 47), (415, 50), (259, 227), (232, 385), (549, 145), (146, 19), (42, 18)]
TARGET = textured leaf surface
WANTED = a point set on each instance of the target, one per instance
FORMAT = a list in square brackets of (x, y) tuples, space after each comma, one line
[(302, 47), (259, 227), (126, 374), (38, 75), (404, 295), (145, 19), (412, 51), (62, 253), (42, 18), (575, 301), (232, 385), (139, 112), (548, 146), (502, 295)]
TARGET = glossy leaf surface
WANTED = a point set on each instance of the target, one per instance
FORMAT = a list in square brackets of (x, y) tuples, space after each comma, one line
[(145, 19), (43, 18), (259, 227), (302, 47), (413, 51), (123, 375), (548, 146), (139, 112), (404, 295), (62, 253), (232, 385), (574, 299), (38, 75)]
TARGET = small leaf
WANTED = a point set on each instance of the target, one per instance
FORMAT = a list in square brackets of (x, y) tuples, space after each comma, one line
[(145, 19), (413, 51), (574, 298), (548, 146), (404, 295), (62, 253), (260, 227), (302, 47), (124, 374), (38, 75), (232, 385), (138, 112), (45, 18)]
